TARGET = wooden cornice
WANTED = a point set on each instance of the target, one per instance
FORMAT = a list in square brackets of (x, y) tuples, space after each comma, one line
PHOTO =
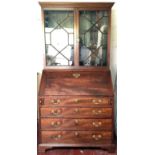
[(104, 5)]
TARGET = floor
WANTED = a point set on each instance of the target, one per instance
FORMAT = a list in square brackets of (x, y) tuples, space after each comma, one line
[(79, 152)]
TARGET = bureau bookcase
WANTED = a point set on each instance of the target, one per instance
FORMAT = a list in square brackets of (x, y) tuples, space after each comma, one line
[(75, 99)]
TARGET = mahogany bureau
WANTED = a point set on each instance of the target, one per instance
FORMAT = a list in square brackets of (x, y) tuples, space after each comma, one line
[(75, 98)]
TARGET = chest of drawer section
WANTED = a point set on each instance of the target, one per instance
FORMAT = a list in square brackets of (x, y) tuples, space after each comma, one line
[(75, 116)]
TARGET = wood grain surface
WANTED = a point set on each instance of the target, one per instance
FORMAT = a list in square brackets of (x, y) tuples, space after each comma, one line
[(75, 124)]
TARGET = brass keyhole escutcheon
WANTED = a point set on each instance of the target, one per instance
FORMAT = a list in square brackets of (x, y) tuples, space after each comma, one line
[(55, 124), (97, 137), (97, 124), (41, 101), (76, 122), (54, 101), (56, 112), (76, 134), (93, 100), (97, 112), (56, 136), (76, 75), (76, 101)]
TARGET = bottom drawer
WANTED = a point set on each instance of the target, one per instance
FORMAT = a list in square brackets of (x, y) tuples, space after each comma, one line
[(76, 137)]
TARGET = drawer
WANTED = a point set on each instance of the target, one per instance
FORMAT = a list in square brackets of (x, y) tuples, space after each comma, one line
[(75, 101), (76, 137), (76, 112), (75, 124)]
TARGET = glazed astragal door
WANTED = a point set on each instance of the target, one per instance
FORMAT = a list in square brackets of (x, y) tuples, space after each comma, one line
[(59, 35), (93, 38), (90, 36)]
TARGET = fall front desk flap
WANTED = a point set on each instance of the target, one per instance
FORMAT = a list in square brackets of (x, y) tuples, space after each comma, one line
[(76, 83)]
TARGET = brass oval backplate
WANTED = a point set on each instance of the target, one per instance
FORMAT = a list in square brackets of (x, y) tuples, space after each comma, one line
[(76, 75)]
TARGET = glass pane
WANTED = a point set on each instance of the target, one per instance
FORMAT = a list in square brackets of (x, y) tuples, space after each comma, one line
[(47, 38), (59, 34), (93, 38), (71, 39)]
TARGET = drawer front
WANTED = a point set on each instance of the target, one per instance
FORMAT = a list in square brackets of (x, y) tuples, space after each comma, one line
[(76, 112), (75, 124), (76, 137), (75, 101)]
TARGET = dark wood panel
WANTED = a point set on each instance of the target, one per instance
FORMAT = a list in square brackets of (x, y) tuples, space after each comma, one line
[(75, 137), (75, 68), (76, 112), (83, 74), (79, 151), (75, 124), (77, 83), (103, 5)]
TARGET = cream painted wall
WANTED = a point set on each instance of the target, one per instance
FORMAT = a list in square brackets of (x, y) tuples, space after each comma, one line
[(113, 58), (113, 46)]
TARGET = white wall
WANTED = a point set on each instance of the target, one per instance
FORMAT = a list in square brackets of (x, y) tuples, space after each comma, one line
[(113, 57), (113, 46)]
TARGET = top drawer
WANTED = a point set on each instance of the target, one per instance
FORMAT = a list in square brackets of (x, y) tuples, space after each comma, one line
[(74, 101)]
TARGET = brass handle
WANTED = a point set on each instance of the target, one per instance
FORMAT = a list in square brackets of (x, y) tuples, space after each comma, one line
[(94, 124), (76, 122), (59, 136), (76, 134), (100, 123), (41, 101), (96, 102), (56, 136), (76, 110), (97, 124), (97, 112), (76, 75), (55, 101), (93, 101), (55, 124), (56, 112), (76, 100), (97, 137), (58, 101)]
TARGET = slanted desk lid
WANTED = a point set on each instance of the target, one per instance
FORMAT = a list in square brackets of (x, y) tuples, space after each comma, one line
[(76, 83)]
